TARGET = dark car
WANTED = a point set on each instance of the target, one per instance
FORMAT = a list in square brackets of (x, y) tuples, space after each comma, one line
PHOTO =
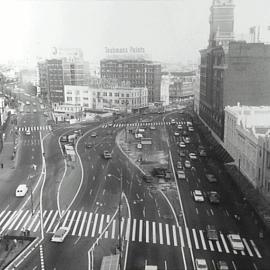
[(89, 145), (214, 197), (211, 232)]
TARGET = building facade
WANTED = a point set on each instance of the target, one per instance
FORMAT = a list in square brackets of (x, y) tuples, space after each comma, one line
[(79, 95), (246, 138), (136, 72)]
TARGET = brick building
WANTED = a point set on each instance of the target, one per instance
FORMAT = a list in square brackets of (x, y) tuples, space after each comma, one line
[(136, 72)]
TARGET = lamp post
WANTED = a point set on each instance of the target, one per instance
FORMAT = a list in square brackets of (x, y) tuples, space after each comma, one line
[(119, 217)]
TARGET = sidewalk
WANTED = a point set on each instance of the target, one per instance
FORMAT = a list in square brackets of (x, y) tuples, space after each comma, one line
[(256, 200), (10, 147)]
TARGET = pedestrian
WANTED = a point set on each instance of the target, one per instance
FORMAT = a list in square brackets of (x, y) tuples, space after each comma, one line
[(2, 165)]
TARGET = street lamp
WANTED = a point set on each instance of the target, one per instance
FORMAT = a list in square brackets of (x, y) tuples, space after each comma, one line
[(119, 216)]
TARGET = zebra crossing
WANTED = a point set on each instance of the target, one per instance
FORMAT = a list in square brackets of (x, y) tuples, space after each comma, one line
[(89, 224), (140, 124), (35, 128)]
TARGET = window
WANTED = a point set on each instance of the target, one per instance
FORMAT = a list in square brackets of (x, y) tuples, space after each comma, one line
[(69, 98), (104, 94), (110, 94)]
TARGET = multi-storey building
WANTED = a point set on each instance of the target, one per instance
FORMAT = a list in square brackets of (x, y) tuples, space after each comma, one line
[(137, 72), (230, 72), (247, 138)]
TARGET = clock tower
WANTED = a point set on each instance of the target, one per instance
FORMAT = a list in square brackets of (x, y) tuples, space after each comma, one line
[(221, 23)]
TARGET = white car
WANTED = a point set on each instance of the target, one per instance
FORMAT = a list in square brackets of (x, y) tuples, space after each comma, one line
[(139, 146), (236, 242), (191, 129), (182, 144), (27, 132), (35, 110), (186, 139), (193, 156), (138, 135), (179, 127), (173, 121), (176, 134), (152, 127), (60, 235), (181, 175), (187, 164), (198, 196), (201, 264), (21, 190), (34, 103)]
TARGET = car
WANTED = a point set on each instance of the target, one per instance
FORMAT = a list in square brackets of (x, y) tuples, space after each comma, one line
[(138, 135), (148, 178), (78, 131), (64, 138), (222, 265), (107, 154), (189, 124), (214, 197), (110, 124), (28, 132), (34, 103), (186, 139), (173, 121), (152, 127), (211, 232), (198, 196), (93, 134), (21, 190), (182, 153), (202, 153), (187, 164), (27, 103), (235, 241), (179, 165), (182, 144), (34, 110), (45, 114), (176, 134), (139, 146), (89, 145), (193, 156), (191, 129), (180, 127), (181, 174), (211, 178), (201, 264), (60, 234)]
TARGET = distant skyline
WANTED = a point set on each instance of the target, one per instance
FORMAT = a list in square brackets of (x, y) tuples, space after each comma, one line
[(170, 31)]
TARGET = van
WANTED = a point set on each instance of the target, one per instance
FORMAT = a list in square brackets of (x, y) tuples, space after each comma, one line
[(21, 190)]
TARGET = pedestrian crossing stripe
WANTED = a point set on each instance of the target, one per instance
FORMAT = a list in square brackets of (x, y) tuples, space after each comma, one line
[(139, 124), (35, 128), (88, 224)]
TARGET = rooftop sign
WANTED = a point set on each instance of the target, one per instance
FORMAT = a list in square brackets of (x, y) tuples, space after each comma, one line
[(129, 50)]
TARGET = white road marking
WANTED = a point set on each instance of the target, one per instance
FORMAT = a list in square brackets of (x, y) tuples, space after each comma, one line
[(160, 234), (88, 224), (82, 224), (195, 239), (140, 230), (66, 218), (76, 223), (255, 249), (234, 266), (154, 232), (113, 228), (247, 247), (33, 221), (167, 234), (72, 218), (94, 226), (13, 221), (21, 220), (147, 231), (128, 229), (188, 238), (218, 246), (101, 224), (181, 236), (202, 239), (211, 245), (224, 243), (174, 236), (134, 229)]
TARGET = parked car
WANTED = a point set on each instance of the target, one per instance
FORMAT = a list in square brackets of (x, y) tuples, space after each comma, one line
[(182, 145), (186, 139), (198, 196), (179, 165), (211, 232), (202, 153), (180, 127), (176, 134), (182, 153), (235, 241), (193, 156), (191, 129)]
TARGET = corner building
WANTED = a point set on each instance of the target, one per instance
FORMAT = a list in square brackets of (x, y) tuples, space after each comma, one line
[(135, 72)]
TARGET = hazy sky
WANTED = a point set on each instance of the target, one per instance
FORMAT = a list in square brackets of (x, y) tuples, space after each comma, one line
[(168, 30)]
